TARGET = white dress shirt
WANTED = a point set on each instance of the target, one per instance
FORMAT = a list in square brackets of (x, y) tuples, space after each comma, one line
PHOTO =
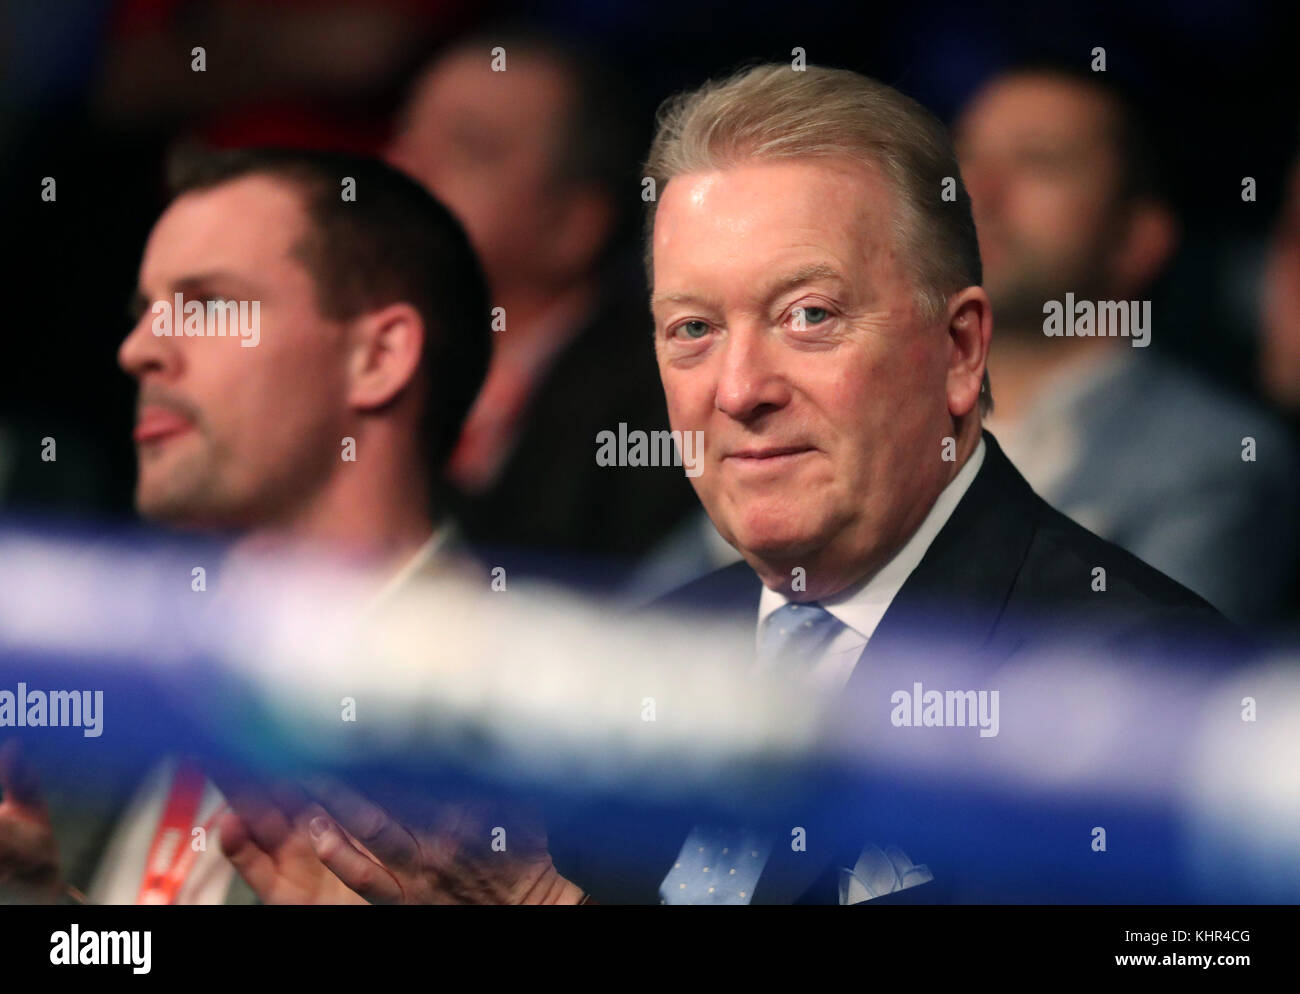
[(121, 869), (861, 606)]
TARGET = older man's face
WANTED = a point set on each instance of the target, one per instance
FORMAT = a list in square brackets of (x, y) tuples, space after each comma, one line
[(822, 436)]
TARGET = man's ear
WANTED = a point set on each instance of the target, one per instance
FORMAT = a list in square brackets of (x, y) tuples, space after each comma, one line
[(582, 225), (970, 332), (386, 345), (400, 154), (1150, 235)]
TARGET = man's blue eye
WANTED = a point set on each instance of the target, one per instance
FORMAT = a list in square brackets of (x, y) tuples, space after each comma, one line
[(811, 315), (688, 327)]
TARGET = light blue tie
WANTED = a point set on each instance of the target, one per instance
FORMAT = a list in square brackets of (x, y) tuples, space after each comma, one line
[(795, 636), (722, 865)]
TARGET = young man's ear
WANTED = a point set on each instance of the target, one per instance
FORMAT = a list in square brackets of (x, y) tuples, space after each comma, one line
[(970, 332), (386, 345)]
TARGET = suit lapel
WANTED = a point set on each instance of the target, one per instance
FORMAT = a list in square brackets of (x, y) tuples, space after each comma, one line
[(956, 595)]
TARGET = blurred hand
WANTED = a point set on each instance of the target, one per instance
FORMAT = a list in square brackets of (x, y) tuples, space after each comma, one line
[(29, 856), (468, 853), (264, 834)]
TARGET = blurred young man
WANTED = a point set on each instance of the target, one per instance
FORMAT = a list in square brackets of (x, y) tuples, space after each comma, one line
[(1066, 191), (362, 321)]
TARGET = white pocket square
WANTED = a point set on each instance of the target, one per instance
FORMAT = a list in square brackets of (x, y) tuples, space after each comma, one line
[(878, 873)]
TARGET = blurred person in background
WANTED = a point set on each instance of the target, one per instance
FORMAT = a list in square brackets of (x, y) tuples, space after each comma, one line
[(1279, 356), (538, 162), (329, 433), (1279, 360), (310, 74), (1067, 199)]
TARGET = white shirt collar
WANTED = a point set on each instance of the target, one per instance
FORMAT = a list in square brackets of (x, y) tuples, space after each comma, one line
[(861, 606), (437, 542)]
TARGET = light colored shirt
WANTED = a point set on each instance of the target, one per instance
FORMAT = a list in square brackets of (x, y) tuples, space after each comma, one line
[(861, 606), (121, 870), (1046, 444)]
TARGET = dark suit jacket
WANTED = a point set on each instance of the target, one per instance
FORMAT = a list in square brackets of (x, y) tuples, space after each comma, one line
[(1006, 575)]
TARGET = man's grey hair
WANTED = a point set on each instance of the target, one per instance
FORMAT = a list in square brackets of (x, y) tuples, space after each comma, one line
[(774, 111)]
